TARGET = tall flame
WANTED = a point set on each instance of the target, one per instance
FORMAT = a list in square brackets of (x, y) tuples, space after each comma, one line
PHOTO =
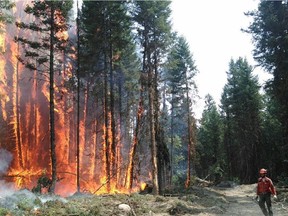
[(24, 99)]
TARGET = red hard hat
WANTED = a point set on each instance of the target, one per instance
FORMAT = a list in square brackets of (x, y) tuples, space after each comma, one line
[(263, 171)]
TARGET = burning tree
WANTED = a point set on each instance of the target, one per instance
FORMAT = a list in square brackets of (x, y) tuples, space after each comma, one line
[(153, 27), (43, 55), (118, 144)]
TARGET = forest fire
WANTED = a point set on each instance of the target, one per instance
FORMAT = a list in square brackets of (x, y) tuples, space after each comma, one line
[(24, 115)]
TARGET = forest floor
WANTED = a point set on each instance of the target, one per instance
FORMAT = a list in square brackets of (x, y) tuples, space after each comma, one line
[(227, 201)]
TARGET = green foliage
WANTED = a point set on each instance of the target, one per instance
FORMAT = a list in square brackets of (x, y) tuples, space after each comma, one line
[(4, 212), (210, 142), (44, 12), (5, 17), (269, 31), (179, 75), (154, 30), (106, 28), (241, 105), (25, 205), (180, 69)]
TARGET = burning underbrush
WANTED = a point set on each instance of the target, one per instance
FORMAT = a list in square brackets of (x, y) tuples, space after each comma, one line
[(189, 202)]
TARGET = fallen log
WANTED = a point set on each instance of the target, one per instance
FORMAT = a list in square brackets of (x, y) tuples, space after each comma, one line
[(202, 182)]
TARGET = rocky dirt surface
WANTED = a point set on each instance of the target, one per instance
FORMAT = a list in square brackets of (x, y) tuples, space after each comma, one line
[(227, 201), (242, 201)]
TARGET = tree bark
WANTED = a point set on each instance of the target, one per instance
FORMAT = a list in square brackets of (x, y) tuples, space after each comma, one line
[(18, 134), (78, 104), (130, 168), (52, 121), (152, 127), (113, 125)]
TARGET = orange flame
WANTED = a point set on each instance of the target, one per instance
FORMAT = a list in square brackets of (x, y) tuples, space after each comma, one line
[(27, 92)]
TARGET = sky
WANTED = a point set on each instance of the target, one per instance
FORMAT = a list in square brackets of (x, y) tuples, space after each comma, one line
[(213, 31)]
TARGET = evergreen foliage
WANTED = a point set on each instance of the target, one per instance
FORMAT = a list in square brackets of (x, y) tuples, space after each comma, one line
[(210, 143), (5, 17), (138, 88), (241, 105), (154, 36), (109, 60), (179, 75), (269, 31)]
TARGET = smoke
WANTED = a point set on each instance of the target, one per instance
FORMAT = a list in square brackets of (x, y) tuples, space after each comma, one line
[(5, 160), (6, 189)]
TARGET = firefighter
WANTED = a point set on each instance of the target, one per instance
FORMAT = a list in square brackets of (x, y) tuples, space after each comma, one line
[(265, 189)]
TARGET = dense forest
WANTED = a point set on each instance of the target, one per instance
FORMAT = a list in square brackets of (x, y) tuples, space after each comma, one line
[(100, 96)]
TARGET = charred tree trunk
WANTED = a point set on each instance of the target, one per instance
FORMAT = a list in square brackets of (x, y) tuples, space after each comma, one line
[(130, 168), (18, 134), (112, 113), (122, 129), (107, 143), (52, 121), (106, 127), (78, 104), (34, 107)]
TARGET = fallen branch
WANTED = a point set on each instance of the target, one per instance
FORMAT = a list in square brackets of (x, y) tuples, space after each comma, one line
[(106, 182), (205, 182), (14, 176)]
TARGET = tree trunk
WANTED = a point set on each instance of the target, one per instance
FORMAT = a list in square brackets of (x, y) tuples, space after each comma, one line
[(160, 146), (78, 104), (152, 128), (190, 138), (52, 123), (130, 168), (18, 134), (106, 128), (172, 141), (113, 125)]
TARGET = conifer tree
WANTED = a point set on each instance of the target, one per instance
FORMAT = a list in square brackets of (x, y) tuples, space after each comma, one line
[(154, 33), (180, 72), (210, 136), (269, 32), (41, 54), (5, 17), (241, 105), (107, 35)]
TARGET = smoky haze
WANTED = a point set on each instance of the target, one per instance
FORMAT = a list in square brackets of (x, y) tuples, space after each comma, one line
[(5, 160)]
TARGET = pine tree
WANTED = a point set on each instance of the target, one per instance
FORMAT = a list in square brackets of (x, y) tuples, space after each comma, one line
[(269, 31), (272, 152), (241, 105), (180, 72), (154, 33), (107, 35), (210, 148), (40, 54)]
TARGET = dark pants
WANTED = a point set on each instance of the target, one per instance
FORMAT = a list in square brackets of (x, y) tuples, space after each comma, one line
[(265, 199)]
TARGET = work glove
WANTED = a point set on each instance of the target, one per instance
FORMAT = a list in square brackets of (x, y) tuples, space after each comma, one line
[(275, 197)]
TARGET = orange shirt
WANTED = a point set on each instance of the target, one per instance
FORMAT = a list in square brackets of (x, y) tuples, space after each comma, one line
[(265, 185)]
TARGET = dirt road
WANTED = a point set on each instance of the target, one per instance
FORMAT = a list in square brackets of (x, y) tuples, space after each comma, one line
[(240, 202)]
